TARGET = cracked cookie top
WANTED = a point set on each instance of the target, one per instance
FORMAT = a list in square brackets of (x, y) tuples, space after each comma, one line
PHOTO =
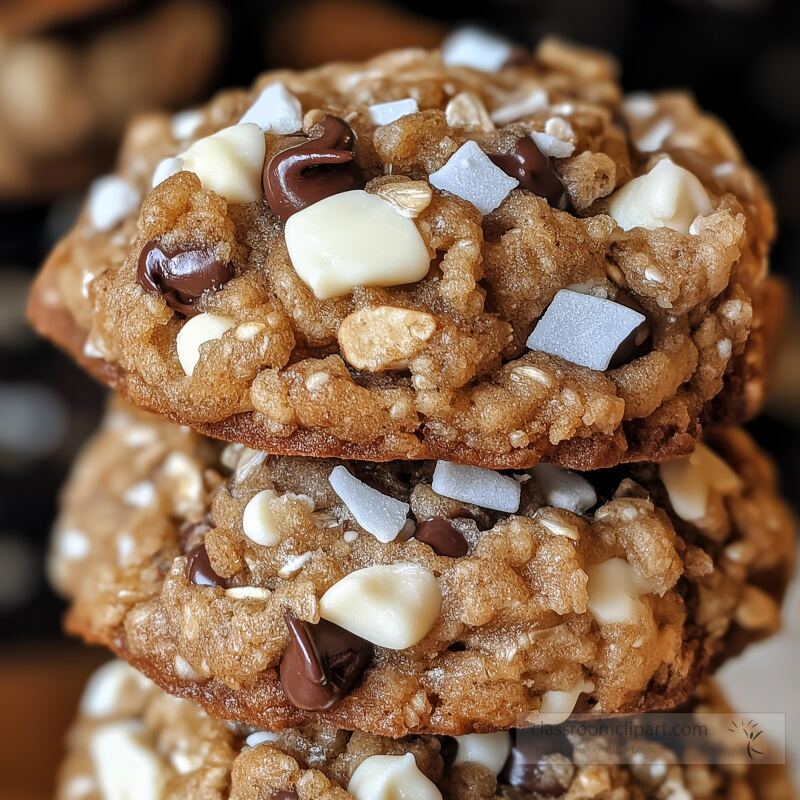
[(431, 254)]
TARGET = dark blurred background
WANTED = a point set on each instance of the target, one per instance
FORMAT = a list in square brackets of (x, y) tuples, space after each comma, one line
[(111, 58)]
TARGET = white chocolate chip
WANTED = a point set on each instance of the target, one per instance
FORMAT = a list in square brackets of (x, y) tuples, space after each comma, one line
[(248, 593), (384, 113), (476, 48), (294, 564), (261, 737), (166, 168), (384, 338), (534, 101), (562, 488), (111, 200), (655, 136), (471, 175), (390, 605), (258, 519), (552, 146), (640, 105), (377, 513), (108, 685), (614, 589), (185, 124), (668, 196), (125, 765), (141, 495), (466, 110), (488, 749), (276, 110), (557, 706), (229, 162), (196, 332), (688, 481), (584, 329), (72, 544), (477, 486), (354, 239), (391, 778)]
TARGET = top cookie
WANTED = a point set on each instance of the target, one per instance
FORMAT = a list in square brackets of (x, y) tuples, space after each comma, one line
[(458, 254)]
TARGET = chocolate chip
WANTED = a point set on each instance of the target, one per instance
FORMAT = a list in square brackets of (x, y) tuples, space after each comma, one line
[(638, 342), (199, 568), (181, 277), (285, 796), (539, 763), (322, 663), (532, 168), (442, 537), (313, 170)]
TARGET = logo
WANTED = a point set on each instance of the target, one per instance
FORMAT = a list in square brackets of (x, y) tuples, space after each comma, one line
[(750, 731)]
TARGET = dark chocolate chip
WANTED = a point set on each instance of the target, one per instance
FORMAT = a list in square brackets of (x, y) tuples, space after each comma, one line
[(638, 342), (537, 763), (442, 537), (322, 663), (181, 277), (532, 168), (313, 170), (285, 796), (199, 568)]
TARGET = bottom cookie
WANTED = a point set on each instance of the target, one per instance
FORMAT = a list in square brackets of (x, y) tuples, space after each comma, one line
[(134, 741)]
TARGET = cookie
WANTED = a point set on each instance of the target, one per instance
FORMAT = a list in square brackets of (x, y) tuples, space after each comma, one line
[(131, 739), (415, 597), (65, 98), (433, 254)]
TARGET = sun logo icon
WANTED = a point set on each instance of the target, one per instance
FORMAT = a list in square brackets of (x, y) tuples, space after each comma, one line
[(751, 731)]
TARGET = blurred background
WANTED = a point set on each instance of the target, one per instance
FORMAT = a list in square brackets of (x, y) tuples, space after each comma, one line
[(72, 72)]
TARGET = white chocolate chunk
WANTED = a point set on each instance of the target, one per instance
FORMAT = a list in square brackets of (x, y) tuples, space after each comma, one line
[(111, 199), (166, 168), (488, 749), (384, 338), (640, 105), (384, 113), (476, 48), (258, 520), (552, 146), (391, 778), (185, 124), (584, 329), (390, 605), (229, 162), (377, 513), (471, 175), (276, 110), (127, 768), (614, 589), (534, 101), (248, 593), (478, 486), (196, 332), (668, 196), (656, 135), (689, 480), (261, 737), (354, 239), (562, 488), (107, 688), (557, 706)]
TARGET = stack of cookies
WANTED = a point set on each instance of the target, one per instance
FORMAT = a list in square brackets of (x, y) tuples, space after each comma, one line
[(429, 368)]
